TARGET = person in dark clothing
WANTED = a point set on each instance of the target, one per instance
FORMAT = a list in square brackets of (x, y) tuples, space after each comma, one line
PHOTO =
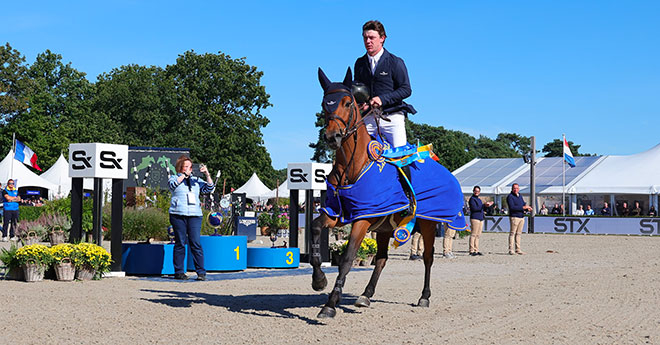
[(517, 208), (606, 211), (386, 77), (476, 220)]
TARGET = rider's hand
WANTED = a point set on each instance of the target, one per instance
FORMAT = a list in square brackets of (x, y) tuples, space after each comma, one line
[(376, 102)]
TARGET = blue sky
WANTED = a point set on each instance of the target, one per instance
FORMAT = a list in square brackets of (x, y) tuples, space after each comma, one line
[(590, 69)]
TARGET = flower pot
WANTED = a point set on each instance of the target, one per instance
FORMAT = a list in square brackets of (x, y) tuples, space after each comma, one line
[(56, 237), (265, 231), (31, 238), (64, 270), (34, 272), (85, 273)]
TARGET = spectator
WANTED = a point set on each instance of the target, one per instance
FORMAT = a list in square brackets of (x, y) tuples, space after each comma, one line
[(653, 212), (11, 199), (556, 209), (625, 211), (517, 207), (606, 210), (636, 211), (544, 210), (579, 211), (447, 241), (476, 220), (186, 216), (589, 211)]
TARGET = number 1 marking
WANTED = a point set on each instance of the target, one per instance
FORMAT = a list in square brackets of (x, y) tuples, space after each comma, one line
[(237, 251)]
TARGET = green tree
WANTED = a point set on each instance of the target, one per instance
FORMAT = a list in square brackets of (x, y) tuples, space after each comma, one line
[(322, 153), (520, 144), (15, 84), (136, 101), (555, 148), (59, 96), (217, 114)]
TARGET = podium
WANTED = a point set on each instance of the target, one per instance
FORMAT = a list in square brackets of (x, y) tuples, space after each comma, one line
[(262, 257), (222, 253)]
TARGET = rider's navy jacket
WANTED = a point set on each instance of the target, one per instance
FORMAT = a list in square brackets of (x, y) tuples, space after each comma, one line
[(389, 82), (476, 208), (516, 204)]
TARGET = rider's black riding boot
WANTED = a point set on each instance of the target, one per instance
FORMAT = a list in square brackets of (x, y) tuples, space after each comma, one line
[(406, 187)]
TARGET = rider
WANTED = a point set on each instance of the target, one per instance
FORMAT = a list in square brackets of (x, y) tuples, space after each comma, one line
[(386, 77)]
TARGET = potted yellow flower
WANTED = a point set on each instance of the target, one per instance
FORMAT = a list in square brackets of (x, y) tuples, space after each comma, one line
[(62, 262), (91, 261), (34, 259)]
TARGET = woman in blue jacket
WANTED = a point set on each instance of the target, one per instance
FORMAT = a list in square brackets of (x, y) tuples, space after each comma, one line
[(186, 215)]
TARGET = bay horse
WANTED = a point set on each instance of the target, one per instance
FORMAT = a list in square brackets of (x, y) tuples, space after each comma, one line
[(346, 134)]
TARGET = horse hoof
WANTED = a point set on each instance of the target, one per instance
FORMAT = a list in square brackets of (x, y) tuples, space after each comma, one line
[(327, 313), (423, 302), (363, 302), (320, 284)]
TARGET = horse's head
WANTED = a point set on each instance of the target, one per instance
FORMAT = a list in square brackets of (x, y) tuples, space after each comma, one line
[(342, 117)]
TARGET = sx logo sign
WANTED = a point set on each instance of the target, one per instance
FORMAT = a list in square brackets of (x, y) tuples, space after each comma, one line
[(108, 160)]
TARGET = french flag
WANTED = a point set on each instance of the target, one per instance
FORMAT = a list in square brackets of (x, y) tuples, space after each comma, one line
[(25, 155), (568, 155)]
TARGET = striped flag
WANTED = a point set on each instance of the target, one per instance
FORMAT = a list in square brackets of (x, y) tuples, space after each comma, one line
[(25, 155), (568, 155)]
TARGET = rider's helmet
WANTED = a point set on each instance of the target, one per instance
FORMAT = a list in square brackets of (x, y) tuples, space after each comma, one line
[(360, 92)]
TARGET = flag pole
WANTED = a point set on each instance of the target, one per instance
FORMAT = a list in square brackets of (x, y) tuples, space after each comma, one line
[(563, 175), (13, 152)]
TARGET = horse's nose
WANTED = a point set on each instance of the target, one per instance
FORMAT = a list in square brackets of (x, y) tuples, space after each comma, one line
[(333, 139)]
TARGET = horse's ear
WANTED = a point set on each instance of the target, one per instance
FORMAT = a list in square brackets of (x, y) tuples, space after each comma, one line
[(325, 82), (348, 79)]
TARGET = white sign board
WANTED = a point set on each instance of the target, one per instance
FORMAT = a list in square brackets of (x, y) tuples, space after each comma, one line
[(307, 175), (98, 160)]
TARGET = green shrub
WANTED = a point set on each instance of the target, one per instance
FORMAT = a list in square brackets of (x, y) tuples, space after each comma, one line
[(30, 213), (146, 223)]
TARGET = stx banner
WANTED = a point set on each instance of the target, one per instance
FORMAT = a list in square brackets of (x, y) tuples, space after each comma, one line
[(597, 225)]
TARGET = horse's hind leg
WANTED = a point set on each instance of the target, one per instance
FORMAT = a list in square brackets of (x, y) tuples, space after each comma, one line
[(357, 235), (319, 281), (428, 234), (383, 239)]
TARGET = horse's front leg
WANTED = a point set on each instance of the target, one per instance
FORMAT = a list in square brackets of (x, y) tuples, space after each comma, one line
[(428, 234), (357, 235), (319, 281), (383, 240)]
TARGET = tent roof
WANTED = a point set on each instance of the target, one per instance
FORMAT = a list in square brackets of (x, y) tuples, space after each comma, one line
[(633, 174), (488, 173), (254, 188), (23, 175)]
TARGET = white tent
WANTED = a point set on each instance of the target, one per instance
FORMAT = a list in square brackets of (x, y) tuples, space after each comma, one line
[(284, 192), (633, 174), (58, 174), (254, 189), (23, 175)]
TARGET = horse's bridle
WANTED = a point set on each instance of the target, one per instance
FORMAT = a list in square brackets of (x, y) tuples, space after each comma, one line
[(345, 131)]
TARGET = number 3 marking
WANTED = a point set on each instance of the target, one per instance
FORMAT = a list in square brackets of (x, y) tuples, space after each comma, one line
[(289, 254)]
